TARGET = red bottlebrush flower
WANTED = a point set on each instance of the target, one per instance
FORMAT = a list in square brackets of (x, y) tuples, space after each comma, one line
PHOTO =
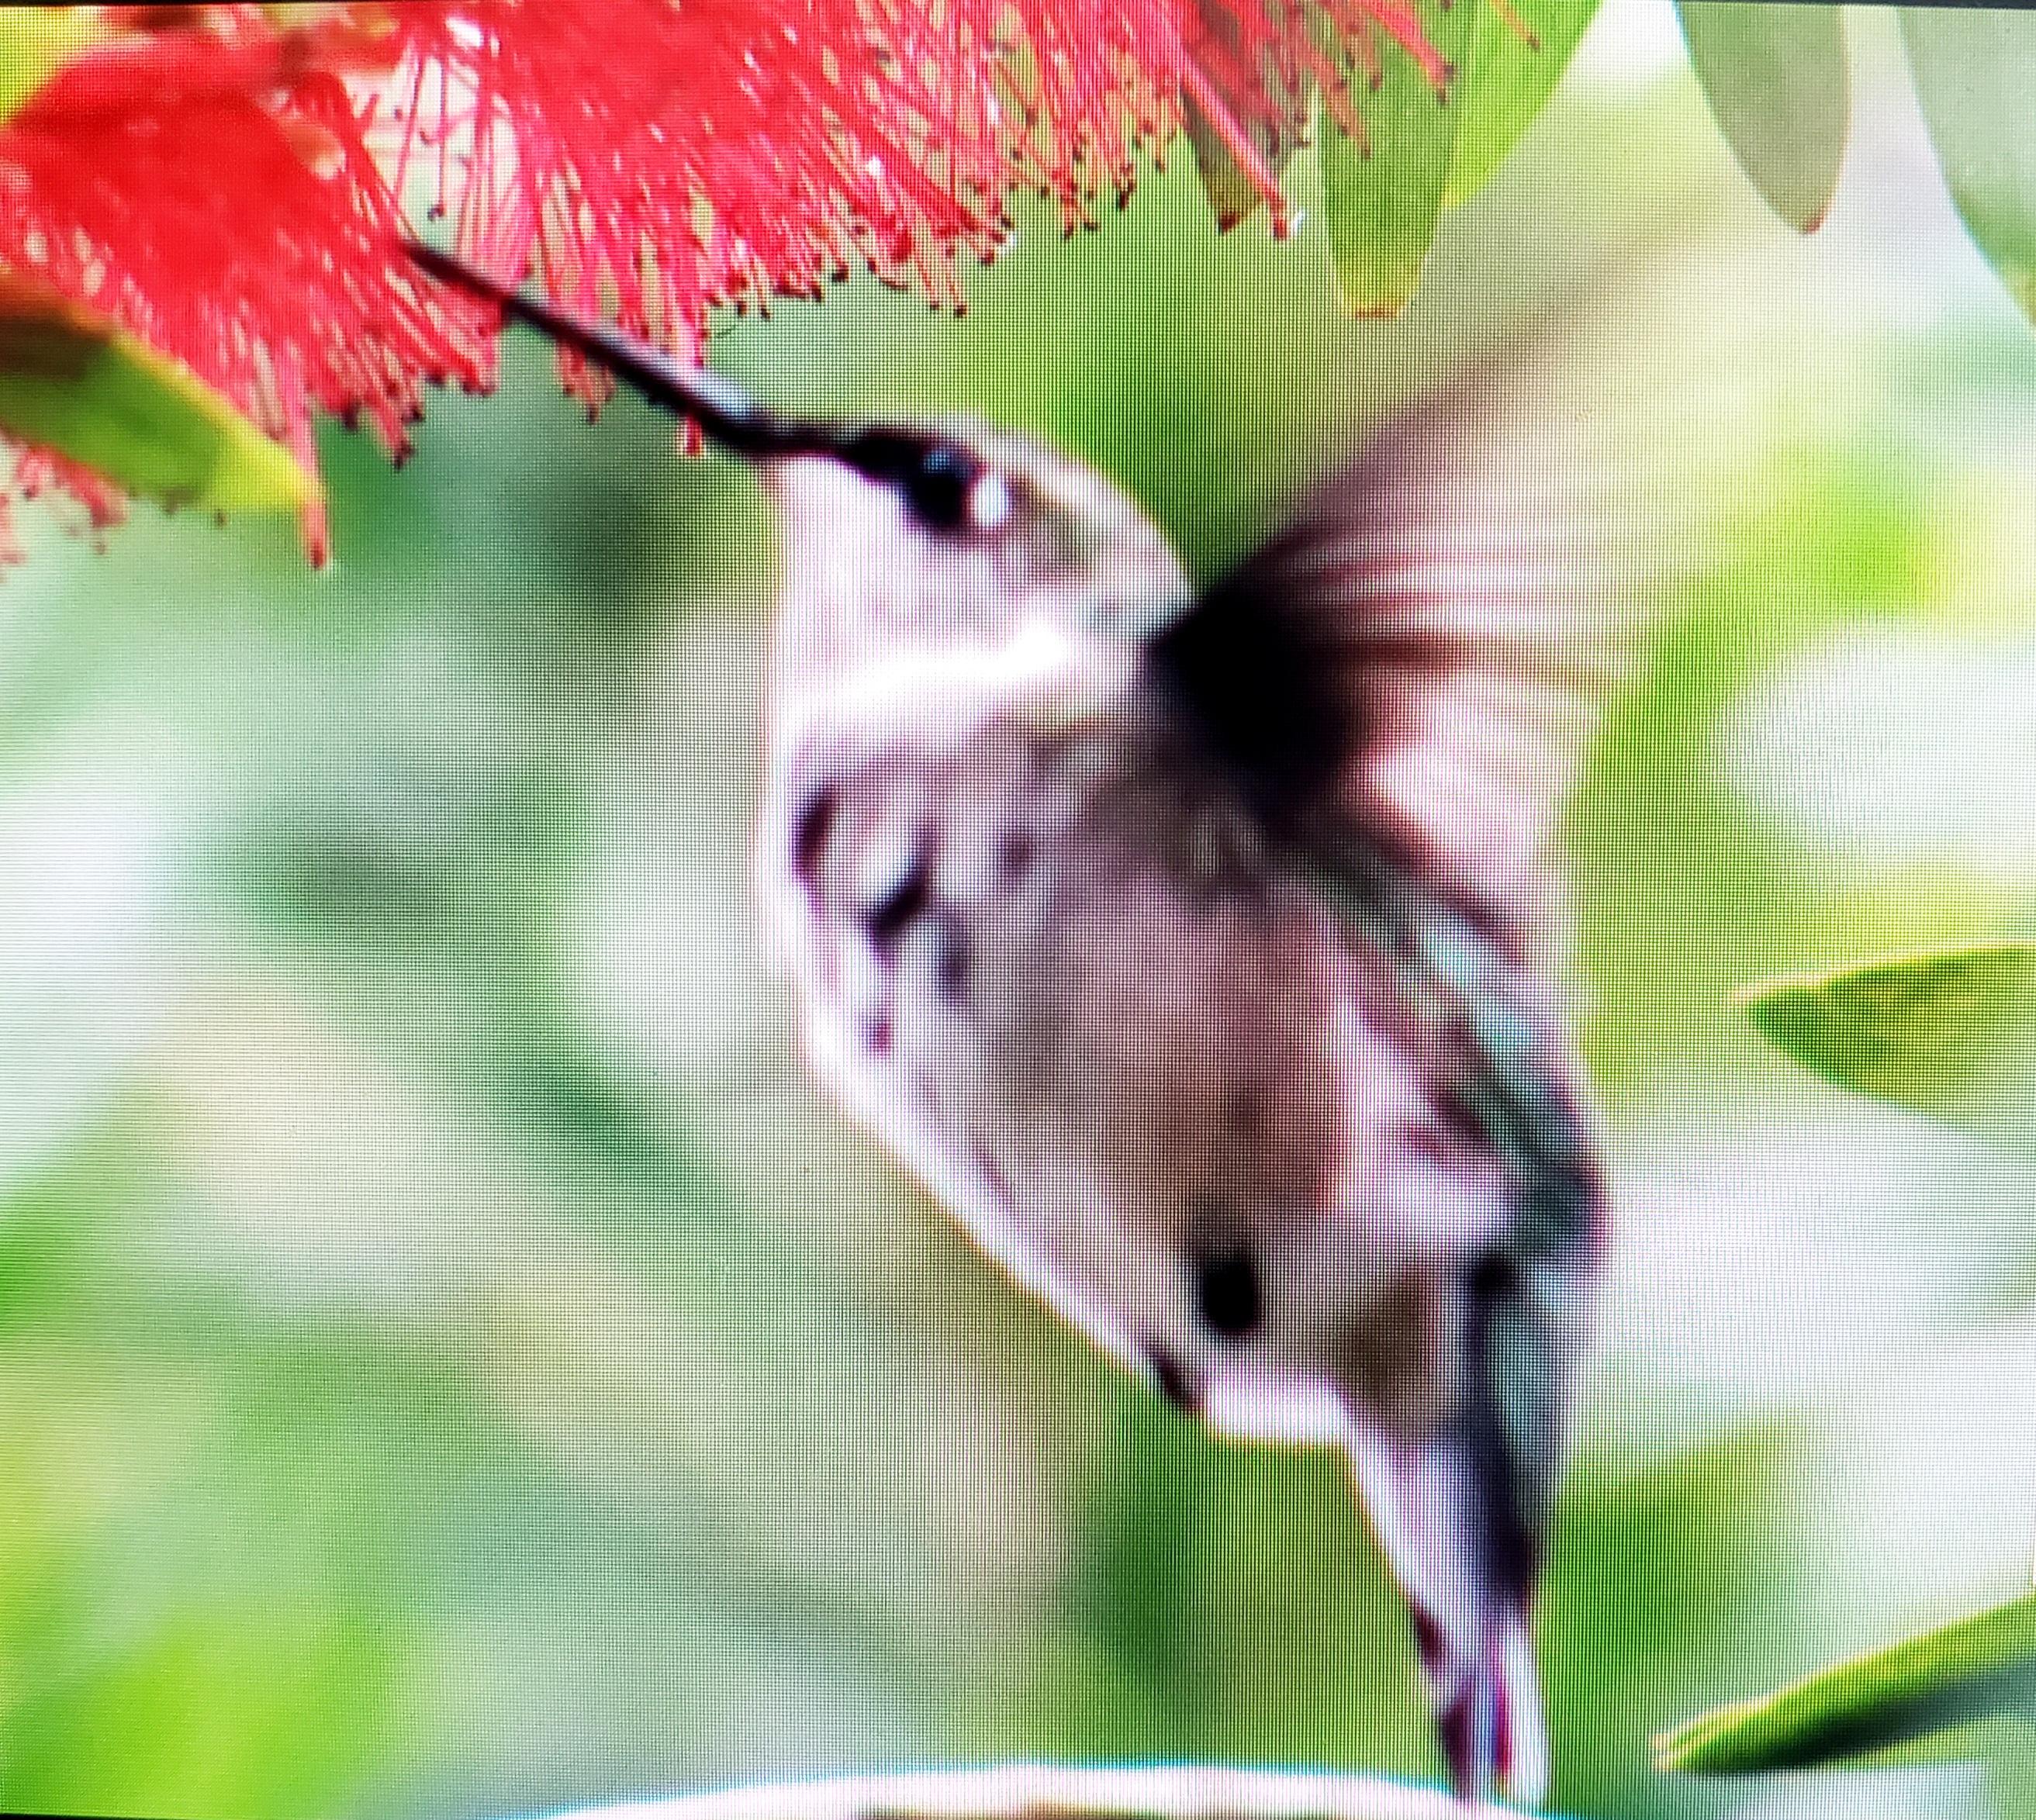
[(722, 159), (679, 157), (223, 180), (212, 191)]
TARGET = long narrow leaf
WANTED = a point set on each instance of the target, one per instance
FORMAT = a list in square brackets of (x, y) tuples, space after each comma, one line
[(1274, 118), (1979, 1670), (1973, 72), (1508, 80), (1779, 86), (1382, 198)]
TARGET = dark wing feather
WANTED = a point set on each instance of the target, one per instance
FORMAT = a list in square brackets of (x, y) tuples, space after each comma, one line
[(1419, 652)]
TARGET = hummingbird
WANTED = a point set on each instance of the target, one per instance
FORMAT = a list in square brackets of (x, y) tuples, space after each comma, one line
[(1191, 944)]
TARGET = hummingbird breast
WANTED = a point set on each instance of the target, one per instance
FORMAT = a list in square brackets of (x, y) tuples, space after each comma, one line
[(1152, 1073)]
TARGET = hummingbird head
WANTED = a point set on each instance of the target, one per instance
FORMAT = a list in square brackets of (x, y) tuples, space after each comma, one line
[(919, 542), (941, 544)]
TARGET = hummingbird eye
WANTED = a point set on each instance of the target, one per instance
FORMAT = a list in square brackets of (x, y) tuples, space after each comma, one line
[(948, 489), (939, 489)]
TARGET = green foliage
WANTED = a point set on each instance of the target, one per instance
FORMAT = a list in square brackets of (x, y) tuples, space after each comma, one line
[(1383, 195), (1888, 1703), (1973, 68), (1421, 153), (1670, 1555), (1507, 79), (220, 1689), (1232, 196), (1825, 541), (1951, 1033), (37, 41), (1777, 82), (77, 383)]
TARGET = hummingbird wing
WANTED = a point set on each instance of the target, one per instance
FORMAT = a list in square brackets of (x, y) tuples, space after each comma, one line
[(1417, 652)]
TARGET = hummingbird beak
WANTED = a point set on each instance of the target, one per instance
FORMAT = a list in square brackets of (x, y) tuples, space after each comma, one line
[(724, 412)]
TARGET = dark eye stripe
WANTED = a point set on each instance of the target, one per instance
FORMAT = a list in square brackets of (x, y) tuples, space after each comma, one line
[(936, 477)]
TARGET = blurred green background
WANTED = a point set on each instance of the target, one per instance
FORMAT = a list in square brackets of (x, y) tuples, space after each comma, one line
[(450, 1363)]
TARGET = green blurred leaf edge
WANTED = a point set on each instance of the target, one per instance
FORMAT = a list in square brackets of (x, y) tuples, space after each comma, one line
[(1971, 69), (1778, 84), (1507, 81), (75, 382), (35, 42), (1978, 1667), (1915, 1030), (1383, 198)]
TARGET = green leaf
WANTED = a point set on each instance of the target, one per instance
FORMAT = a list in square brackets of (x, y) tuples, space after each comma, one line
[(1973, 1673), (1507, 79), (1952, 1034), (1779, 85), (1973, 72), (35, 42), (1382, 199), (1232, 195), (1276, 119), (73, 381)]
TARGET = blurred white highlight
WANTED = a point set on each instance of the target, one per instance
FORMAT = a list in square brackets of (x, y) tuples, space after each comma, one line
[(1071, 1791)]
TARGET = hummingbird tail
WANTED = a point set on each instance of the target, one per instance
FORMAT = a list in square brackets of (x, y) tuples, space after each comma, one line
[(1522, 1756), (1488, 1704), (1448, 1523)]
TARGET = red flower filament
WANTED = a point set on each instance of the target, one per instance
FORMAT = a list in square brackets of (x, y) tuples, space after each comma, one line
[(229, 187)]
